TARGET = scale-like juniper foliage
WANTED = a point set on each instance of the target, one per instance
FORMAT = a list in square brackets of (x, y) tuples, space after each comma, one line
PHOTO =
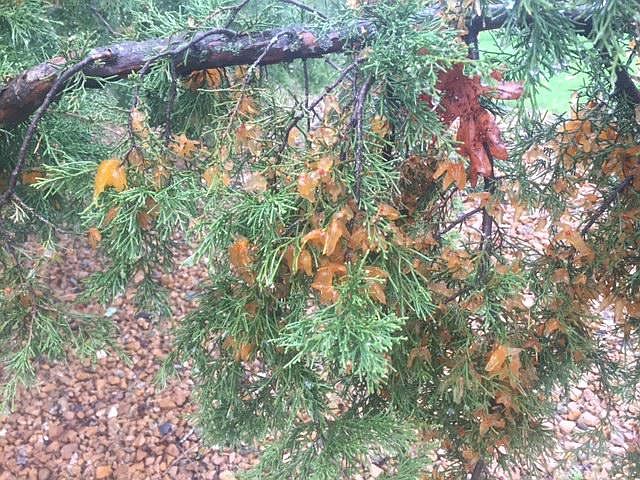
[(405, 252)]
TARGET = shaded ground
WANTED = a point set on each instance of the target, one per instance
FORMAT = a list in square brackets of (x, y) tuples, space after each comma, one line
[(108, 419)]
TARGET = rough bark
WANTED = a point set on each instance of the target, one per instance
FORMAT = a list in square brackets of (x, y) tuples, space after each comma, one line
[(22, 95)]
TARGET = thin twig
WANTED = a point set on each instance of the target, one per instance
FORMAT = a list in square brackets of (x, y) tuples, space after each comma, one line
[(171, 97), (460, 219), (332, 64), (327, 90), (183, 454), (459, 293), (478, 469), (247, 78), (606, 203), (186, 436), (17, 200), (306, 7), (104, 21), (37, 117), (487, 220), (234, 12), (359, 120), (305, 71)]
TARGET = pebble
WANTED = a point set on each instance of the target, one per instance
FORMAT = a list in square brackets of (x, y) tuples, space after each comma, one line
[(567, 426), (375, 471), (68, 450), (575, 394), (551, 465), (165, 428), (588, 420), (172, 450), (617, 439), (573, 411), (617, 451), (44, 474), (122, 472), (226, 475), (103, 471), (166, 403), (22, 457), (113, 412)]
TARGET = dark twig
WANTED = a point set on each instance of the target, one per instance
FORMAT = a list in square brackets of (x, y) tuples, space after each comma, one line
[(247, 77), (459, 293), (332, 64), (305, 71), (306, 7), (460, 220), (478, 469), (606, 203), (487, 222), (171, 97), (234, 12), (37, 117), (103, 20), (358, 117), (17, 200), (327, 90)]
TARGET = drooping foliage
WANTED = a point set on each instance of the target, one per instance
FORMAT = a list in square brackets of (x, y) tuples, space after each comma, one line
[(405, 252)]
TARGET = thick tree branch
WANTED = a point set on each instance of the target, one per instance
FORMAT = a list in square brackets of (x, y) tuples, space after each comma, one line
[(23, 94), (26, 92), (50, 96)]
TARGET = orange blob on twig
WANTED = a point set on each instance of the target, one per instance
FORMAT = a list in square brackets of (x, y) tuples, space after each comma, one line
[(478, 133)]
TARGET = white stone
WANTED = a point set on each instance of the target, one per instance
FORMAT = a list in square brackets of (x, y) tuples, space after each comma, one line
[(113, 411), (566, 426)]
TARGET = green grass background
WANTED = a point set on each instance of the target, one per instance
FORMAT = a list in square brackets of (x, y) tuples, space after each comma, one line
[(555, 95)]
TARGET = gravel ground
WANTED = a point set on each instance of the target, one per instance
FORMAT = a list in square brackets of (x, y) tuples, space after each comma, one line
[(107, 420)]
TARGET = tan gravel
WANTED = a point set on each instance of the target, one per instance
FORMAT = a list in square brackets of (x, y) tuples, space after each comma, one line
[(108, 420)]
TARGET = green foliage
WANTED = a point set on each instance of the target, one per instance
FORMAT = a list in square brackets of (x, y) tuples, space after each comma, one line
[(349, 311)]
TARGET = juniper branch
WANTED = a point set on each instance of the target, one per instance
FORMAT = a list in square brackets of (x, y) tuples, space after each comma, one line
[(35, 121), (223, 47)]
